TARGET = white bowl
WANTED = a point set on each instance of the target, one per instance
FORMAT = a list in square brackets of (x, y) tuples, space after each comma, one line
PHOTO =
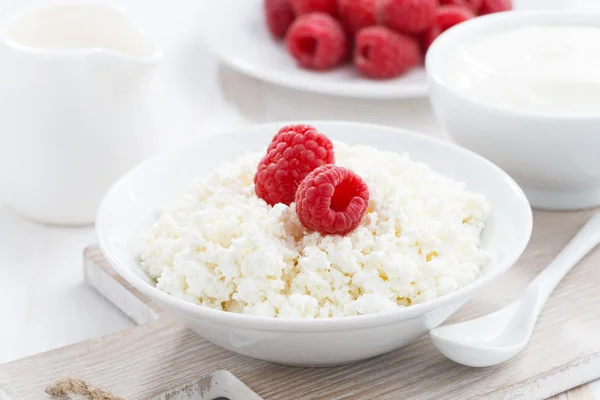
[(554, 158), (133, 201)]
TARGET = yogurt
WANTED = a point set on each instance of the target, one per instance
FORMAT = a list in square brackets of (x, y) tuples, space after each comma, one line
[(536, 69)]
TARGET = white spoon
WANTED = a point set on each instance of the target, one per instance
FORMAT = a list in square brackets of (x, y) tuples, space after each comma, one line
[(501, 335)]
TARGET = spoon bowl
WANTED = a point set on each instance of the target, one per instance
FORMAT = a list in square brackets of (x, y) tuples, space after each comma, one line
[(489, 340)]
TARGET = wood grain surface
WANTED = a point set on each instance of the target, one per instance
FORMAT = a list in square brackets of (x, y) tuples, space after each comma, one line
[(582, 392), (564, 351)]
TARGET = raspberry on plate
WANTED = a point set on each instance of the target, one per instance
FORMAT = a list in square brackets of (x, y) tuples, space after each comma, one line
[(294, 152), (279, 17), (429, 36), (494, 6), (381, 53), (445, 18), (448, 16), (302, 7), (317, 41), (332, 200), (407, 16), (357, 14), (474, 5)]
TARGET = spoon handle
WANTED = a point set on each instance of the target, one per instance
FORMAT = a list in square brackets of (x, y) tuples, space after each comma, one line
[(582, 243)]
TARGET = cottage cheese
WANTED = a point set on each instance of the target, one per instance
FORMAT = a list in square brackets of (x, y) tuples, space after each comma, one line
[(223, 247)]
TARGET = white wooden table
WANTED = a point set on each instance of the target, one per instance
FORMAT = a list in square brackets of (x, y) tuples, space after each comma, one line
[(44, 302)]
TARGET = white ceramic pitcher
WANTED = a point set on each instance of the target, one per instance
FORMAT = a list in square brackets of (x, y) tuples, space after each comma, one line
[(76, 108)]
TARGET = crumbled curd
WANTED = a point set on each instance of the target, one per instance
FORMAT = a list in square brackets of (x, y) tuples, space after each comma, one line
[(221, 246)]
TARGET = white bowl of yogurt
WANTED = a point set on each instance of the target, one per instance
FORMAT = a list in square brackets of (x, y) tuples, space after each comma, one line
[(522, 88), (442, 222)]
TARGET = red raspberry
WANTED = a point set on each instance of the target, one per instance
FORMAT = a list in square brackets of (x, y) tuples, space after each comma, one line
[(407, 16), (294, 152), (429, 36), (381, 53), (279, 17), (357, 14), (494, 6), (317, 41), (332, 200), (448, 16), (302, 7), (445, 18), (474, 5)]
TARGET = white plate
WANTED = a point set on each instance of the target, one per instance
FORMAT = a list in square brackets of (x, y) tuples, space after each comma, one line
[(235, 31)]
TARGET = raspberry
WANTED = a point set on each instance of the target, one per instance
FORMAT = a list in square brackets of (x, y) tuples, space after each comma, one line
[(445, 18), (279, 17), (357, 14), (332, 200), (302, 7), (317, 41), (381, 53), (474, 5), (429, 36), (294, 152), (494, 6), (448, 16), (407, 16)]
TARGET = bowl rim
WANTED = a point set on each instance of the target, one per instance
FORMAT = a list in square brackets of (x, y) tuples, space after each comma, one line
[(317, 324), (434, 57)]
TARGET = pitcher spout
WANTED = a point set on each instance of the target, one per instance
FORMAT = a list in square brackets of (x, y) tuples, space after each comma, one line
[(82, 29)]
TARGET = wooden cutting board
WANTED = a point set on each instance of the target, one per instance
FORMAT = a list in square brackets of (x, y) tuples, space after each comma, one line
[(144, 361)]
